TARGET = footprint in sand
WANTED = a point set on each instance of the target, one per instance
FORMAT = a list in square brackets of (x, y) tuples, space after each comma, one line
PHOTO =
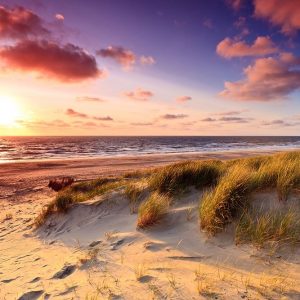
[(145, 278), (36, 279), (66, 271), (9, 280), (152, 246), (32, 295)]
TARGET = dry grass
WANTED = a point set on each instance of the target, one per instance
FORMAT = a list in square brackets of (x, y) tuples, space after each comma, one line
[(273, 227), (220, 205), (229, 198), (152, 210), (134, 192), (77, 193), (177, 177), (228, 187)]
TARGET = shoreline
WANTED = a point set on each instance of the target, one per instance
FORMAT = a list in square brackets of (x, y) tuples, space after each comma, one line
[(19, 179), (216, 153)]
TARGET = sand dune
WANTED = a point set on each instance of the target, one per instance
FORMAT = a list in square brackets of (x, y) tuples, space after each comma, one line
[(95, 250)]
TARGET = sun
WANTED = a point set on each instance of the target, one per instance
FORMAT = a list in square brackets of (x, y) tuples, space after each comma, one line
[(9, 111)]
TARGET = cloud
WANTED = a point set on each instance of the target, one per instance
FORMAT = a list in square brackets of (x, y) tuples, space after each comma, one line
[(67, 63), (208, 120), (229, 48), (20, 22), (235, 119), (107, 118), (183, 99), (37, 124), (241, 25), (89, 99), (147, 60), (173, 117), (139, 94), (279, 123), (142, 124), (267, 79), (72, 113), (231, 112), (59, 17), (235, 4), (123, 56), (282, 13)]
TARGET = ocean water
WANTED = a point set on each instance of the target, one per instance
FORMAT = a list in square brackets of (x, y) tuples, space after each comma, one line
[(39, 148)]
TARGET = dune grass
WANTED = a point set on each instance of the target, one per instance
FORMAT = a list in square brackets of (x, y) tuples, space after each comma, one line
[(242, 177), (228, 185), (177, 177), (221, 204), (152, 210), (134, 191), (78, 192), (274, 227)]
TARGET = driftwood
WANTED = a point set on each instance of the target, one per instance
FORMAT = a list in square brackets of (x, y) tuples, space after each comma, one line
[(58, 184)]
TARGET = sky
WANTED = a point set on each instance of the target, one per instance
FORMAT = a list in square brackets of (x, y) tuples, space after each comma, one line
[(159, 67)]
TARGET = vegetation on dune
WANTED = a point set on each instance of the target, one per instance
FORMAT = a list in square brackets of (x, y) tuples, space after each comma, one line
[(242, 177), (133, 192), (220, 205), (152, 210), (228, 185), (275, 227), (177, 177), (78, 192)]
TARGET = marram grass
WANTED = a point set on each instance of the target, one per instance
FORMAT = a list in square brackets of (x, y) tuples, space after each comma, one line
[(152, 210), (228, 186), (273, 227), (244, 176)]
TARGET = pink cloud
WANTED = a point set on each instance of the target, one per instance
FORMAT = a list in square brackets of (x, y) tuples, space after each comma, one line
[(174, 117), (41, 123), (183, 99), (284, 13), (89, 99), (147, 60), (107, 118), (266, 79), (142, 124), (72, 113), (208, 120), (59, 17), (235, 4), (20, 22), (139, 94), (231, 112), (229, 48), (124, 57), (67, 63)]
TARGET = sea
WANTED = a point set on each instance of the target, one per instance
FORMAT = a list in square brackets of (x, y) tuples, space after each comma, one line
[(45, 148)]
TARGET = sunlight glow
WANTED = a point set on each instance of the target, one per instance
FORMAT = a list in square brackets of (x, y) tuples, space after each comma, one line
[(9, 111)]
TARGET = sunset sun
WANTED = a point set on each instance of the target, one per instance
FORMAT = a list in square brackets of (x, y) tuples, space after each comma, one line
[(9, 111)]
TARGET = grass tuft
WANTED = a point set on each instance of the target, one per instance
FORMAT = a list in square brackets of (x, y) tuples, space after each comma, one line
[(152, 210), (134, 192), (177, 177), (230, 196), (77, 193), (276, 227)]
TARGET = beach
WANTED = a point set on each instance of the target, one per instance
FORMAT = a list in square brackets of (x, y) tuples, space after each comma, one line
[(17, 178), (97, 251)]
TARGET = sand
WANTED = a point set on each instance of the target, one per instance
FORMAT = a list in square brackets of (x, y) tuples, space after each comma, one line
[(95, 251)]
